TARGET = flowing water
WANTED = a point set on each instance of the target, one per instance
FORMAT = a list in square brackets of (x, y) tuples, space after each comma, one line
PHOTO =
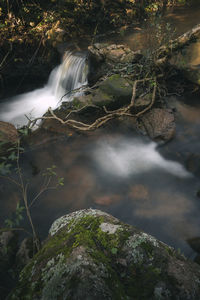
[(116, 170), (69, 76)]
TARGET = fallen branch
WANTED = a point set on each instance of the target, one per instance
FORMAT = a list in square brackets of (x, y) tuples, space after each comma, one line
[(166, 51), (124, 111)]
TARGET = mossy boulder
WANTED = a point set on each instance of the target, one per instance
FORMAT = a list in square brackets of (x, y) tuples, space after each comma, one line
[(90, 254), (113, 93)]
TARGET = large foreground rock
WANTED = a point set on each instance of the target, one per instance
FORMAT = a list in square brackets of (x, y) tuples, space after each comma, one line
[(92, 255)]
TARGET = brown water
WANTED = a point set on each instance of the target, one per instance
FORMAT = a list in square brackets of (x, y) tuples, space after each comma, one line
[(145, 193)]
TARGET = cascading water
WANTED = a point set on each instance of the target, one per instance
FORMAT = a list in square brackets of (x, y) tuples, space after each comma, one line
[(70, 75)]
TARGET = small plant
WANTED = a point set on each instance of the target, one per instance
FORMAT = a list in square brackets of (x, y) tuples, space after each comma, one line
[(157, 33), (16, 218), (50, 180)]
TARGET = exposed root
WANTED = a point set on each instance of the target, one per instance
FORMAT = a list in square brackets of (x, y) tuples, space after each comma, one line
[(124, 111)]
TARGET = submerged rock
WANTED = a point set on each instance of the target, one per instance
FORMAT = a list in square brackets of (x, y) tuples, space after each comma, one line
[(90, 254), (159, 124)]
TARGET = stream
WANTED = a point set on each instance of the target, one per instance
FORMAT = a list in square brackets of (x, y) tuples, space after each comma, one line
[(116, 170)]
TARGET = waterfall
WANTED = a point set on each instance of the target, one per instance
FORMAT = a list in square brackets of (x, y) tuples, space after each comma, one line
[(70, 75)]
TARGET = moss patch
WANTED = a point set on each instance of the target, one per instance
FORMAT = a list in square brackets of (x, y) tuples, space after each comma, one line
[(92, 255)]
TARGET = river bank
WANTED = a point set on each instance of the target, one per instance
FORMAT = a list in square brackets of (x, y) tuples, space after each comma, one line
[(33, 35)]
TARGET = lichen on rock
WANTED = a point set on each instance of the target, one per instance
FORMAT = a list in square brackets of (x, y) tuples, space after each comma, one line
[(90, 254)]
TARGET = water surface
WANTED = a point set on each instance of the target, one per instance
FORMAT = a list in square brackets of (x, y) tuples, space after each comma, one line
[(120, 172)]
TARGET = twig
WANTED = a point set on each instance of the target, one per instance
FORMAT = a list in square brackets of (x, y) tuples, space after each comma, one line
[(109, 114), (12, 180), (15, 229), (24, 193)]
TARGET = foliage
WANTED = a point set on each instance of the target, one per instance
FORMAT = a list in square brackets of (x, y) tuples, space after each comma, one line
[(10, 169), (17, 217)]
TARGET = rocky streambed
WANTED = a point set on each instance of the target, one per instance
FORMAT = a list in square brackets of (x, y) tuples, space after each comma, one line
[(90, 249)]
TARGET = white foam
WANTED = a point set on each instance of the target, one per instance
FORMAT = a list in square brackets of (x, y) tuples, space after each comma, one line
[(70, 75), (134, 157)]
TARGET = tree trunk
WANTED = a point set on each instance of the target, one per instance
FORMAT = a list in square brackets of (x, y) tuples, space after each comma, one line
[(178, 43)]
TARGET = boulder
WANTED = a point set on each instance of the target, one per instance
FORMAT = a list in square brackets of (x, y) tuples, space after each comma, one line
[(8, 133), (90, 254), (194, 243), (113, 53), (159, 124), (103, 58), (113, 92)]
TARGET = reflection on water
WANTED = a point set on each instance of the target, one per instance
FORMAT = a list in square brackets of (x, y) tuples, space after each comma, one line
[(136, 181), (149, 192)]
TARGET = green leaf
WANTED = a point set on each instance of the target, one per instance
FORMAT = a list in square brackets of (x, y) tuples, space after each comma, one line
[(9, 223), (114, 251), (12, 156)]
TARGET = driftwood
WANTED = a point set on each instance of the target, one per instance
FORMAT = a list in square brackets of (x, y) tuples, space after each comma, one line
[(165, 52), (109, 115)]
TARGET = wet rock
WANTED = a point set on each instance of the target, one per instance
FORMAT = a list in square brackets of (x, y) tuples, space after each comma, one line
[(113, 53), (159, 124), (142, 102), (193, 164), (8, 133), (8, 248), (107, 199), (8, 136), (24, 253), (113, 93), (8, 243), (104, 57), (195, 244), (139, 191), (90, 254)]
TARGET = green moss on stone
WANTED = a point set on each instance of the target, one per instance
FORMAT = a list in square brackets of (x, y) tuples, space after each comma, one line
[(92, 255)]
